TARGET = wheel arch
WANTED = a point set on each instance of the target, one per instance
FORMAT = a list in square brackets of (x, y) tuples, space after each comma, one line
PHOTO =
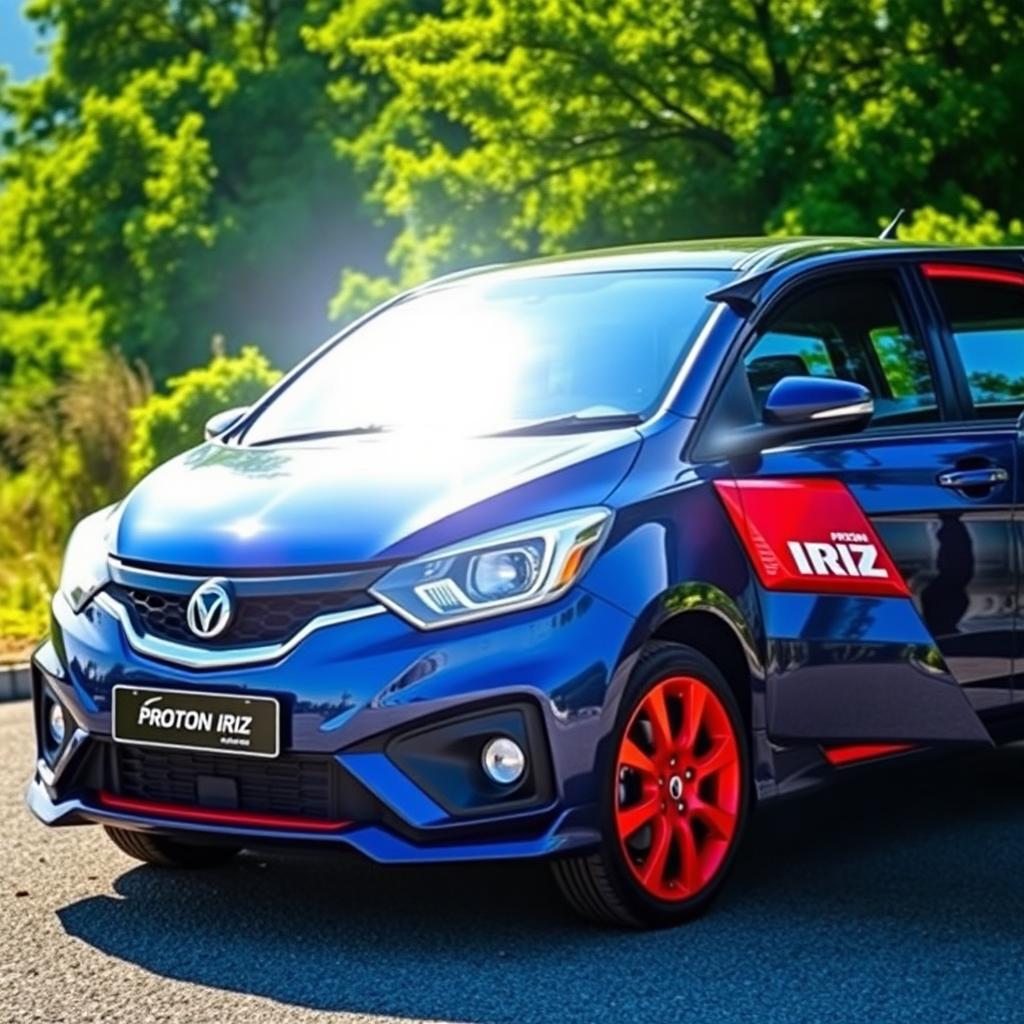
[(706, 619)]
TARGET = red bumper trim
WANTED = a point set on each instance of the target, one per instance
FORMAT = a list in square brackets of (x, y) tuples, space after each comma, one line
[(863, 752), (218, 817)]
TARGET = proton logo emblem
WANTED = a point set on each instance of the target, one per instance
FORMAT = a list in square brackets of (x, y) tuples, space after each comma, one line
[(210, 609)]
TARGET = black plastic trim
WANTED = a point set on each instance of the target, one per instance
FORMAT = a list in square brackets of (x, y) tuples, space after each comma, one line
[(443, 758)]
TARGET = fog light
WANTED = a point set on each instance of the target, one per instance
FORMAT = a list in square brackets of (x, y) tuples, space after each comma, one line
[(504, 760), (56, 724)]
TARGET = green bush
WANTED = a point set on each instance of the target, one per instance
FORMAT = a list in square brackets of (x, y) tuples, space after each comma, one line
[(25, 587), (88, 439), (70, 457), (66, 459), (171, 423), (39, 349)]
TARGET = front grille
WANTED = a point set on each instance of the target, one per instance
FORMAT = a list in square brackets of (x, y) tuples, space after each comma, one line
[(257, 620), (305, 786)]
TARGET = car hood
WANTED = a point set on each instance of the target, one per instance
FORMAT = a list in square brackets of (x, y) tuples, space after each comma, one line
[(357, 500)]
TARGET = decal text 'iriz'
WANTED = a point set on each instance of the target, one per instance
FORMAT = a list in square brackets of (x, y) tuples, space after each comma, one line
[(836, 558), (809, 534)]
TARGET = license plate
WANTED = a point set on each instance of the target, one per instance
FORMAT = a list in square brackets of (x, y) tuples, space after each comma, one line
[(190, 720)]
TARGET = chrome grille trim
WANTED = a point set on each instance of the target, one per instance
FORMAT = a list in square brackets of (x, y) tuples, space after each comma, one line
[(191, 656)]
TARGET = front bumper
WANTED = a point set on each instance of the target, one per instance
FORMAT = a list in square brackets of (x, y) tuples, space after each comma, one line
[(374, 841), (346, 692)]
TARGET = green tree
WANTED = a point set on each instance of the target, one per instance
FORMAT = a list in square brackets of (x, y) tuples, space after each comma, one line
[(170, 423), (518, 126), (176, 169), (40, 348)]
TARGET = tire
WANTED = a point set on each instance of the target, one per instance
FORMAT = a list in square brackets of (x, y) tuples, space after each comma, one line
[(169, 853), (670, 828)]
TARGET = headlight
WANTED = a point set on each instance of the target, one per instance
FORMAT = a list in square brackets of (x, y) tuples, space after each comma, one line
[(517, 567), (85, 560)]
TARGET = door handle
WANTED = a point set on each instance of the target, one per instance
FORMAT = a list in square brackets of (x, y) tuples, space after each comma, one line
[(961, 479)]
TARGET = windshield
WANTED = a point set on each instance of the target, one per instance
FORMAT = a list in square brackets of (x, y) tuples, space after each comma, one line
[(570, 352)]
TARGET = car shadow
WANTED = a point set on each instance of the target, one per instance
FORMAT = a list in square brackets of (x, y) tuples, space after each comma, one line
[(896, 894)]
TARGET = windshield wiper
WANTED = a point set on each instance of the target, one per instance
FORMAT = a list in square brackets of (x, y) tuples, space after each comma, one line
[(572, 424), (319, 435)]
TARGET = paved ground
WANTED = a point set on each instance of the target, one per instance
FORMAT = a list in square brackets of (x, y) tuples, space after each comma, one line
[(895, 898)]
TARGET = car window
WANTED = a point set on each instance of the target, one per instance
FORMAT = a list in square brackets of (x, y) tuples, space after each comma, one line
[(779, 353), (987, 321), (499, 353), (855, 330)]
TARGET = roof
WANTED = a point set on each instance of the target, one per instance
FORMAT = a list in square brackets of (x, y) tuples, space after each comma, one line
[(744, 255), (713, 253)]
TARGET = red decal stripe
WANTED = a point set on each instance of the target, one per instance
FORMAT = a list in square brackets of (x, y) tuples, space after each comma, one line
[(217, 817), (810, 535), (863, 752), (969, 273)]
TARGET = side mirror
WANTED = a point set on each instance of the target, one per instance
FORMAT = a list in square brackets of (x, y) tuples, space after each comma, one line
[(221, 422), (800, 408), (838, 405)]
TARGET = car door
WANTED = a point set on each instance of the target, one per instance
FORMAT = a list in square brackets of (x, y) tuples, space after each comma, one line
[(982, 313), (937, 488)]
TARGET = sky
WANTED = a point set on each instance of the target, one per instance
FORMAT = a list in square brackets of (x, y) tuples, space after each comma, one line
[(18, 41)]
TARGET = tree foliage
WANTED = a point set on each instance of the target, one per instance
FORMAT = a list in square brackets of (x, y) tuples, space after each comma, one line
[(175, 168), (210, 166), (518, 126), (170, 423)]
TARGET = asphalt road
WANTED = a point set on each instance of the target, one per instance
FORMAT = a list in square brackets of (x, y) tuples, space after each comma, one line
[(897, 897)]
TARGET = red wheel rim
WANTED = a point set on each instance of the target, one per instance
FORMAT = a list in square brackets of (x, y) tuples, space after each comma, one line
[(677, 788)]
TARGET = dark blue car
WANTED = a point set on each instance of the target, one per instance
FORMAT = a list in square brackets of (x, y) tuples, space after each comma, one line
[(573, 559)]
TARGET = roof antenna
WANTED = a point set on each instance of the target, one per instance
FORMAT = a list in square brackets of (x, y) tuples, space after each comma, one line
[(893, 226)]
